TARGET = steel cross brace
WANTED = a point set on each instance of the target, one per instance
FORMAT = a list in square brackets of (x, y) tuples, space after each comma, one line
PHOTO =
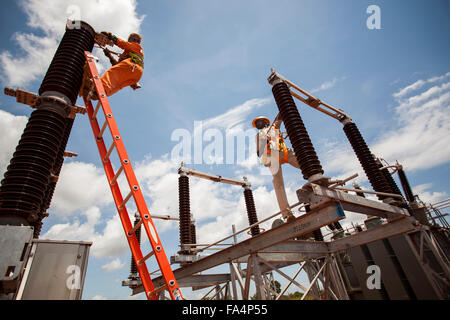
[(318, 217), (316, 194), (272, 245)]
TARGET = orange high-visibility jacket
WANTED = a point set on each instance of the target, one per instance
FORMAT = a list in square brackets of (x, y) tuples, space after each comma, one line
[(129, 69), (275, 142)]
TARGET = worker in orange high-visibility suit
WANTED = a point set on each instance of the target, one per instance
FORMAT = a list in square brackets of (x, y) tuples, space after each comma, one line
[(128, 71)]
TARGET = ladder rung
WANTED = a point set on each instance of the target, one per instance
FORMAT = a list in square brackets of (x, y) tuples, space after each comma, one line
[(109, 152), (132, 231), (158, 290), (96, 110), (100, 135), (145, 258), (113, 181), (125, 200)]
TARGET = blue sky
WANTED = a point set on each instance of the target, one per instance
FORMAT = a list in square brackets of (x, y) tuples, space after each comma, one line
[(205, 58)]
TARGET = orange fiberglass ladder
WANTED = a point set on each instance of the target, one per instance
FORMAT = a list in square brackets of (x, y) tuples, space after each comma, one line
[(171, 284)]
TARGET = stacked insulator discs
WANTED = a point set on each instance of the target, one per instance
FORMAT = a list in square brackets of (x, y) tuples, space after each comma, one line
[(25, 191), (27, 176), (300, 140), (65, 73), (366, 159), (251, 211), (193, 235), (58, 164), (133, 268), (405, 185), (185, 211), (389, 179), (391, 182)]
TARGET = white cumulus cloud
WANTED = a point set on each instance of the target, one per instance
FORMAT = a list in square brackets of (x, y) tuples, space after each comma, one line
[(328, 84), (114, 265), (80, 186)]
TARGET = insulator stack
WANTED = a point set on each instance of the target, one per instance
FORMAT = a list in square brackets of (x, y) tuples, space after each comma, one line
[(58, 163), (65, 73), (366, 159), (251, 211), (185, 212), (300, 140), (48, 196), (25, 184), (193, 235), (27, 176), (390, 180), (405, 185), (133, 269)]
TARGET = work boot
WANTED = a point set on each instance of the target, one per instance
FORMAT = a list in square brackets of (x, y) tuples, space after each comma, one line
[(89, 90)]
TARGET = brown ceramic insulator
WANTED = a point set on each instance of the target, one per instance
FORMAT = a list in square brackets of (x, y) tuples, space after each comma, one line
[(133, 266), (28, 174), (193, 235), (65, 73), (251, 211), (58, 165), (405, 185), (390, 180), (296, 130), (184, 211), (366, 159)]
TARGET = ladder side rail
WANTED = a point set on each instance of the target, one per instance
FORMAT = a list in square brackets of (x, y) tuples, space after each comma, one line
[(118, 199), (164, 265)]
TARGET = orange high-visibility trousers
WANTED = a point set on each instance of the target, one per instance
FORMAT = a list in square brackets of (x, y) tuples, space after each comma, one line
[(120, 76)]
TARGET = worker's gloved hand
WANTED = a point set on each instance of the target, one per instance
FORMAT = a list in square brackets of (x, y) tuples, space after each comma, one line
[(136, 86), (110, 36)]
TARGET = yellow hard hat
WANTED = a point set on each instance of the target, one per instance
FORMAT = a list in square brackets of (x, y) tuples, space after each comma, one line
[(260, 122)]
